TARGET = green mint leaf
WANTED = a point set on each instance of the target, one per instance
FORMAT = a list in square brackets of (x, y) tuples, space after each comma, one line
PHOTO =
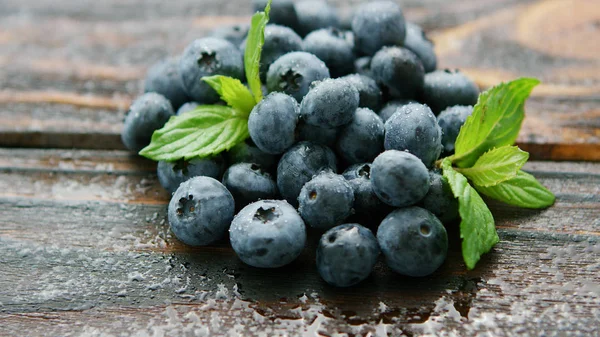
[(233, 92), (495, 122), (208, 130), (496, 165), (254, 45), (523, 191), (477, 228)]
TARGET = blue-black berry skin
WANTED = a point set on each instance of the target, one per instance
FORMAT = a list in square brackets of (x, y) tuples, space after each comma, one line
[(272, 123), (248, 183), (413, 241), (368, 91), (399, 71), (315, 134), (294, 72), (164, 78), (378, 24), (330, 103), (298, 166), (366, 202), (414, 128), (172, 174), (248, 152), (326, 200), (315, 14), (362, 139), (207, 57), (391, 107), (417, 42), (439, 200), (399, 178), (187, 107), (450, 121), (283, 12), (446, 88), (360, 170), (331, 46), (235, 34), (346, 255), (279, 40), (200, 211), (147, 113), (267, 234)]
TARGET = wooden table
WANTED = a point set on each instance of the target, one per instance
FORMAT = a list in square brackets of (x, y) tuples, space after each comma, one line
[(85, 248)]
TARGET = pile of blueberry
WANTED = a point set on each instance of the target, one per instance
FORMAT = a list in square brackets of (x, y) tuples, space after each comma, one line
[(346, 134)]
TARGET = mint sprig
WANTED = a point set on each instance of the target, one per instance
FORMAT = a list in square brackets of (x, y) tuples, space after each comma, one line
[(212, 129), (486, 161)]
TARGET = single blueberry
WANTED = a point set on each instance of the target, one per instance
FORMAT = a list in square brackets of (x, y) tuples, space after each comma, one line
[(413, 241), (200, 211), (346, 255), (377, 24), (248, 152), (391, 107), (355, 171), (298, 166), (272, 123), (248, 183), (232, 33), (330, 103), (147, 113), (294, 72), (267, 234), (417, 42), (326, 200), (368, 91), (362, 139), (399, 178), (439, 200), (399, 71), (315, 14), (164, 78), (450, 121), (172, 174), (283, 12), (207, 57), (331, 46), (446, 88), (413, 128)]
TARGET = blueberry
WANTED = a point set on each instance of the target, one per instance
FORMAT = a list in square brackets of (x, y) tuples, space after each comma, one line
[(446, 88), (200, 211), (172, 174), (331, 46), (232, 33), (299, 164), (248, 183), (315, 14), (399, 71), (248, 152), (450, 121), (294, 72), (164, 78), (413, 241), (315, 134), (189, 106), (377, 24), (326, 200), (417, 42), (272, 123), (439, 200), (282, 12), (413, 128), (267, 234), (207, 57), (368, 91), (399, 178), (329, 103), (279, 40), (355, 171), (362, 65), (366, 202), (362, 139), (147, 113), (390, 108), (346, 255)]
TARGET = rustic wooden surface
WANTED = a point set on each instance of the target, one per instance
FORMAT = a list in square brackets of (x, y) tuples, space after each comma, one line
[(85, 248)]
